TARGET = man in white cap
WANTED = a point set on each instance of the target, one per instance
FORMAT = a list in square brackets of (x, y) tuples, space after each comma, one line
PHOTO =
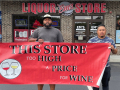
[(47, 34)]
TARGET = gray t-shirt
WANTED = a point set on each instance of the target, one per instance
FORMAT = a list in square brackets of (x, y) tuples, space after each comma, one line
[(48, 35)]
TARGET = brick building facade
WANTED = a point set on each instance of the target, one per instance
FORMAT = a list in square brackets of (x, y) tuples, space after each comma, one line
[(9, 8)]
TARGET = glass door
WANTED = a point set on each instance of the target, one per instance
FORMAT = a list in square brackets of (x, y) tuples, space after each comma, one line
[(85, 30), (85, 27), (93, 29)]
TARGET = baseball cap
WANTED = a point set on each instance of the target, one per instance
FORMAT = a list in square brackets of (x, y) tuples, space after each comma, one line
[(47, 16)]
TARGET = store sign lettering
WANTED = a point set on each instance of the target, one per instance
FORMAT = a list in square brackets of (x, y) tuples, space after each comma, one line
[(91, 8), (39, 8), (51, 7), (63, 8)]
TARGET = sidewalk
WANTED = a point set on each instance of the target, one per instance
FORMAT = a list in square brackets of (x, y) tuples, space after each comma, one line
[(114, 58)]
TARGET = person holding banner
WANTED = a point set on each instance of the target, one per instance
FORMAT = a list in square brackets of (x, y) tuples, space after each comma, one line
[(46, 34), (101, 38)]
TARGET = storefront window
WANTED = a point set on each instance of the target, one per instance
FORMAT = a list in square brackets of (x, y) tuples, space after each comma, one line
[(20, 22), (117, 41), (20, 25), (24, 25), (56, 22), (82, 17), (35, 21)]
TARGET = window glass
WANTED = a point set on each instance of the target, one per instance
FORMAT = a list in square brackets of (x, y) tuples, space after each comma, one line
[(82, 17), (20, 22), (24, 25), (117, 29), (97, 17)]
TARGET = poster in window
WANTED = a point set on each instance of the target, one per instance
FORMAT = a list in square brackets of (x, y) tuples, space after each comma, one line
[(54, 23), (20, 35), (31, 31), (117, 36), (21, 22)]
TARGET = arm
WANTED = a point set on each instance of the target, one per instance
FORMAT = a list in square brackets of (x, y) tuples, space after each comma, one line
[(32, 39), (59, 37), (113, 47), (114, 50)]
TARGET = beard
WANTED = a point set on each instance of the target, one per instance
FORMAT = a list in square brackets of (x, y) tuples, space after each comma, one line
[(47, 26), (102, 36)]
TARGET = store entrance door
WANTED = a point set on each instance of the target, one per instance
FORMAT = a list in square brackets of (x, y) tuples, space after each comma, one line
[(84, 30)]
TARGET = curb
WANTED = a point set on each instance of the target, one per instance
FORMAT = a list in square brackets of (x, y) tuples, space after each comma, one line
[(114, 58)]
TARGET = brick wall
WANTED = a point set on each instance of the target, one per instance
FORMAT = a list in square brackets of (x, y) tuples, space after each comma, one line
[(110, 19), (67, 27), (9, 8)]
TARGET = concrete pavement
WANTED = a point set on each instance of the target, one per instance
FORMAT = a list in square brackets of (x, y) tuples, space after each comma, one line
[(114, 58)]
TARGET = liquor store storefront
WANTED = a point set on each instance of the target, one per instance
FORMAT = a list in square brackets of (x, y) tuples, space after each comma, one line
[(77, 20), (24, 25)]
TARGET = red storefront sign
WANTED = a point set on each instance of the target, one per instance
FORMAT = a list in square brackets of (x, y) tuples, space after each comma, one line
[(51, 7), (53, 63), (20, 35)]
